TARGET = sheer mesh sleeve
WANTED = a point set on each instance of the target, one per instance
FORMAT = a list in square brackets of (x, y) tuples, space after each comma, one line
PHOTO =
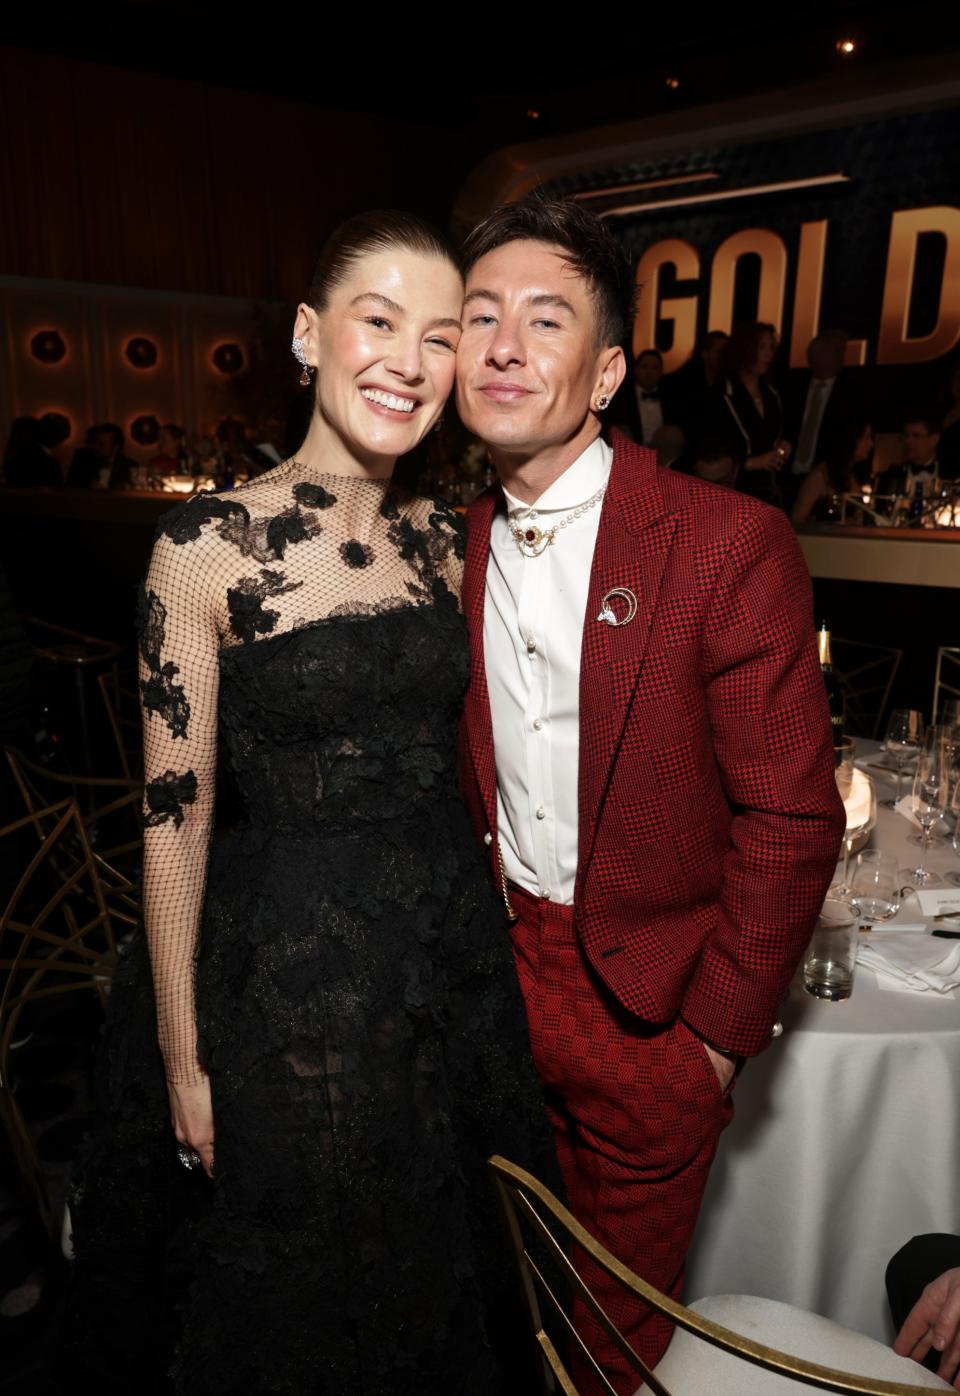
[(179, 680)]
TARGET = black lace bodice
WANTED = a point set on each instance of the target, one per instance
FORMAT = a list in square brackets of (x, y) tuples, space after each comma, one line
[(241, 592)]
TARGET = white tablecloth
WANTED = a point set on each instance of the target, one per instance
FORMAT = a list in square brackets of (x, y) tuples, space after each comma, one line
[(845, 1142)]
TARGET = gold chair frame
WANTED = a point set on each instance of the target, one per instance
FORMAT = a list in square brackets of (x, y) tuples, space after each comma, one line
[(523, 1197), (67, 944), (948, 663), (122, 704), (864, 672)]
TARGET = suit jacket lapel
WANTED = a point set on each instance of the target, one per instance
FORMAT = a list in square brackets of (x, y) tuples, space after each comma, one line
[(633, 545), (476, 708)]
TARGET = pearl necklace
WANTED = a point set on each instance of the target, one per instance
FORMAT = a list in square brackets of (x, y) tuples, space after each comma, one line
[(533, 541)]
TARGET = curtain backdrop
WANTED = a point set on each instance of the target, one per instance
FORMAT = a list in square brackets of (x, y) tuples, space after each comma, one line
[(128, 178)]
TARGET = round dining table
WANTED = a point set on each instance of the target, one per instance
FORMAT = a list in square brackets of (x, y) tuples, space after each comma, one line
[(845, 1140)]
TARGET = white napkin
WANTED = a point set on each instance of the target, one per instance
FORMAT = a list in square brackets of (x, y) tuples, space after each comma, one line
[(911, 962), (856, 801)]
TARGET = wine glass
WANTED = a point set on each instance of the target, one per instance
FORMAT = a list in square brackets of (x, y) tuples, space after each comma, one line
[(875, 890), (953, 801), (929, 792), (860, 803), (903, 740)]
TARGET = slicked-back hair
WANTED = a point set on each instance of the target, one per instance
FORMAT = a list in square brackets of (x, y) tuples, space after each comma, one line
[(588, 245), (379, 230)]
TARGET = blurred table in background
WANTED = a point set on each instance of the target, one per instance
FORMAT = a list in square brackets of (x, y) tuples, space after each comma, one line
[(845, 1140)]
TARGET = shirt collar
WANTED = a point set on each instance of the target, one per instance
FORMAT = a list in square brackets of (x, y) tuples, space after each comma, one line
[(578, 482)]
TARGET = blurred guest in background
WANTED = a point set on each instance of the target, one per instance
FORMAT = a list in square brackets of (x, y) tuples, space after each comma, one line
[(687, 390), (844, 467), (715, 461), (29, 457), (647, 372), (745, 406), (101, 463), (668, 442), (920, 465), (171, 451), (241, 459), (819, 406), (948, 450)]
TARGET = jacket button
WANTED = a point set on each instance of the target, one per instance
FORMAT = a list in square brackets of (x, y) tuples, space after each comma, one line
[(777, 1030), (488, 838)]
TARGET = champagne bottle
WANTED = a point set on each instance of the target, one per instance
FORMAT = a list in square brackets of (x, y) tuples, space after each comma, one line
[(831, 683)]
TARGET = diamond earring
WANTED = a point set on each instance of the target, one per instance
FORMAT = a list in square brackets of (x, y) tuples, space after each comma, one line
[(603, 402), (299, 353)]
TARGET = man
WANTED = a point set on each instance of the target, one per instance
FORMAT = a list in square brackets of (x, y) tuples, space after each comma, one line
[(921, 437), (646, 749), (101, 464), (820, 407), (923, 1287)]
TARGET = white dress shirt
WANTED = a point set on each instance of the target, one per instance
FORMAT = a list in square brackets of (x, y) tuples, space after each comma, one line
[(532, 629), (818, 395)]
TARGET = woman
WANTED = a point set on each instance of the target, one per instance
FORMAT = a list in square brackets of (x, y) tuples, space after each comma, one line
[(838, 473), (746, 409), (341, 1032)]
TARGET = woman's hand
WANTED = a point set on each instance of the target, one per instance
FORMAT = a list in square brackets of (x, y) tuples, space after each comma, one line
[(191, 1111), (768, 460)]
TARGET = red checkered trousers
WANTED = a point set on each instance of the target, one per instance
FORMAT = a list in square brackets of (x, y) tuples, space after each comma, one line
[(709, 829)]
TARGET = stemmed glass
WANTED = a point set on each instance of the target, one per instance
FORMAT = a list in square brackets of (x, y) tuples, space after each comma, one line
[(929, 799), (904, 739), (952, 801), (860, 802)]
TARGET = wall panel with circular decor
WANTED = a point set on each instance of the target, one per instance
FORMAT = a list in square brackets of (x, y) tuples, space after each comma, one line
[(137, 358)]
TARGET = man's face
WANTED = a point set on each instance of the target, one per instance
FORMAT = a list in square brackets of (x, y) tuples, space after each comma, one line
[(919, 444), (528, 364), (105, 444), (712, 356), (647, 372), (826, 358)]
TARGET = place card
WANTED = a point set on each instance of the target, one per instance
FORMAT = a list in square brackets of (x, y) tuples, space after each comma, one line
[(934, 901)]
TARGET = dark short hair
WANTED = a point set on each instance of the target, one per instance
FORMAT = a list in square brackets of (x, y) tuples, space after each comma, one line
[(113, 430), (929, 420), (53, 429), (587, 242), (366, 234), (710, 338), (174, 430), (654, 352)]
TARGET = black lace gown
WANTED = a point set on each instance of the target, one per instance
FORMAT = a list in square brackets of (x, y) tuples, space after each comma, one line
[(335, 960)]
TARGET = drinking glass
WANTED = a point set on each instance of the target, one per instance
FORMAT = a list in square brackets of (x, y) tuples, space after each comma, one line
[(953, 803), (875, 888), (903, 740), (929, 791), (832, 953), (860, 803)]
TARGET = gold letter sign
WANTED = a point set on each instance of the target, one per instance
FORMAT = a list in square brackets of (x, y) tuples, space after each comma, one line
[(682, 310), (893, 346)]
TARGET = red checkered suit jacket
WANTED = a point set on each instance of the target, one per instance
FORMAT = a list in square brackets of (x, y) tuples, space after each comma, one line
[(709, 819)]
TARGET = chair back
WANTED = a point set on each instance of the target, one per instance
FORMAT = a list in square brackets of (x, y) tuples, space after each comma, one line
[(865, 674), (946, 680), (57, 937), (531, 1211), (121, 700)]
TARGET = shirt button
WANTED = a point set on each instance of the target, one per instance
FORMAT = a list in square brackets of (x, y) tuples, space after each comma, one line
[(488, 838), (537, 724), (541, 812), (545, 893), (531, 645)]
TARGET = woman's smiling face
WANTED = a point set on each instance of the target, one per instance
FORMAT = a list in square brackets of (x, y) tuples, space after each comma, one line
[(384, 348)]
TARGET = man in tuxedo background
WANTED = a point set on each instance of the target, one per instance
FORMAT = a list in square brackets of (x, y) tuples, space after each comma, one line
[(820, 405), (920, 465), (645, 751)]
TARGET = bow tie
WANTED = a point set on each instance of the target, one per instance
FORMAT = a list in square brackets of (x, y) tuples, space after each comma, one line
[(649, 397)]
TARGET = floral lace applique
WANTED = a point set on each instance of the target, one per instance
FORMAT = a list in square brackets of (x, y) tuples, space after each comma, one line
[(166, 796), (248, 615), (159, 693)]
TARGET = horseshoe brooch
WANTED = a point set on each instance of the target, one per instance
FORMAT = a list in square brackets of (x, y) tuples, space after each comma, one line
[(621, 594)]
